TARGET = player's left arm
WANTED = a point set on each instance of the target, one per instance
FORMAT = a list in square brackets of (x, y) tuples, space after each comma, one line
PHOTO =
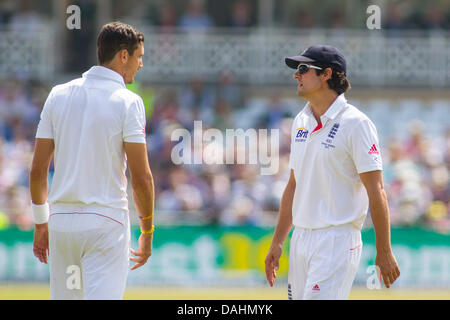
[(379, 211), (43, 154)]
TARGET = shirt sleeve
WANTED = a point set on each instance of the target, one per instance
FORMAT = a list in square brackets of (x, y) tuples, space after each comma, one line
[(45, 127), (134, 125), (365, 147)]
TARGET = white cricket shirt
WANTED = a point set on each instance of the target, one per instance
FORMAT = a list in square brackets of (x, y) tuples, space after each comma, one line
[(327, 161), (89, 119)]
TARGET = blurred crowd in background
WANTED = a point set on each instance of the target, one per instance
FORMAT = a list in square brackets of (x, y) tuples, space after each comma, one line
[(416, 165), (204, 14), (416, 162), (238, 16)]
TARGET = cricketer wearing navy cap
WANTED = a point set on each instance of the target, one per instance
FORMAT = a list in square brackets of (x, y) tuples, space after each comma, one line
[(335, 177), (320, 54)]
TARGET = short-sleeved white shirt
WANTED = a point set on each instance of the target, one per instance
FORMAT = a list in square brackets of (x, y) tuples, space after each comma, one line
[(327, 160), (89, 118)]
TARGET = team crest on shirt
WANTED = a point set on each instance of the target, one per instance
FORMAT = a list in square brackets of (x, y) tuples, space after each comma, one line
[(302, 134), (328, 143), (333, 130)]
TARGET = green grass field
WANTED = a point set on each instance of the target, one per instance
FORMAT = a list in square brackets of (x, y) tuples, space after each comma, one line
[(41, 292)]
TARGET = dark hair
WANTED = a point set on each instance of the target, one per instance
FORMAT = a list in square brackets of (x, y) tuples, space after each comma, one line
[(116, 36), (338, 81)]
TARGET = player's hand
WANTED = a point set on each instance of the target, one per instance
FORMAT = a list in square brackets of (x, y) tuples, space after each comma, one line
[(387, 263), (40, 242), (272, 263), (144, 251)]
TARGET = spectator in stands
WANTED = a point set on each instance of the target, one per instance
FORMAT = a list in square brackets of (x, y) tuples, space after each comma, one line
[(440, 184), (15, 159), (14, 106), (415, 142), (277, 111), (241, 14), (17, 204), (220, 183), (195, 18), (245, 202), (222, 118), (408, 196), (26, 19), (338, 20), (304, 19), (434, 18), (167, 18), (198, 99), (396, 16), (438, 212), (6, 12), (228, 90), (446, 146)]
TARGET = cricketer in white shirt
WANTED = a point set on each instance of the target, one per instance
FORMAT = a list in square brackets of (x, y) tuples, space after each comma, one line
[(335, 175), (345, 146), (330, 202), (93, 128), (89, 119)]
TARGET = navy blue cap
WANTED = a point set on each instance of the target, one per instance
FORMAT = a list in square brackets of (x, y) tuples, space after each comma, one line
[(327, 55)]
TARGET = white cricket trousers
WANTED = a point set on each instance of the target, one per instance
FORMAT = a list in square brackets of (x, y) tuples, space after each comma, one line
[(323, 262), (88, 256)]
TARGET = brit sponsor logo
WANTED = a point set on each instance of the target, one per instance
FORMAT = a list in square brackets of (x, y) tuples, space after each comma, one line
[(302, 134)]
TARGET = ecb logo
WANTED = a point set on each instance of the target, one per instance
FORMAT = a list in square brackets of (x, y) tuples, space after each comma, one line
[(302, 134), (333, 131)]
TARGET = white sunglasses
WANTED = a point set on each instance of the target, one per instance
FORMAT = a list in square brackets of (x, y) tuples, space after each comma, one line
[(303, 68)]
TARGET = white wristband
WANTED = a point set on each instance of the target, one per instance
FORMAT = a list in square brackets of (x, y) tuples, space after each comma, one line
[(40, 213)]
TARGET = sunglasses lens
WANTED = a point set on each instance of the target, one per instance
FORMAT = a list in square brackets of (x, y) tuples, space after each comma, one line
[(303, 68)]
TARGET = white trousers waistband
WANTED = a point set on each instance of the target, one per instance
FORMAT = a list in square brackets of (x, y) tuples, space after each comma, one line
[(342, 227)]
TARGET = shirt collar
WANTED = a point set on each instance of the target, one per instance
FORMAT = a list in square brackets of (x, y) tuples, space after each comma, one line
[(336, 107), (332, 111), (103, 72)]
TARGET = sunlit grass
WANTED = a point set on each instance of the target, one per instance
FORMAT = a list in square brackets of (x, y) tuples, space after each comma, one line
[(41, 292)]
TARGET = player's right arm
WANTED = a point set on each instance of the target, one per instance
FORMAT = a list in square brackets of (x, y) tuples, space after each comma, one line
[(38, 180), (143, 196), (379, 212), (282, 230)]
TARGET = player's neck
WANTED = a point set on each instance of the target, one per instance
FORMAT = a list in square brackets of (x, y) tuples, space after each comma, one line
[(114, 67), (321, 102)]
